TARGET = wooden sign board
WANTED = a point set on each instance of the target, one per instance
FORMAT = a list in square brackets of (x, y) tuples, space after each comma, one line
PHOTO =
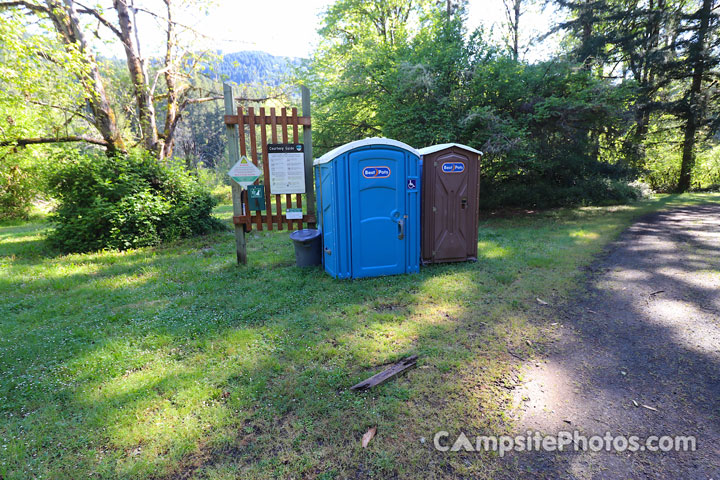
[(251, 134)]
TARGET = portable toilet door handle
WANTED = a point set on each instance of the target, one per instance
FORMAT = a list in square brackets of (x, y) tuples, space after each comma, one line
[(397, 217), (463, 203)]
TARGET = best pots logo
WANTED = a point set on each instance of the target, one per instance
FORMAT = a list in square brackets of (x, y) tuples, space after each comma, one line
[(376, 172), (453, 167)]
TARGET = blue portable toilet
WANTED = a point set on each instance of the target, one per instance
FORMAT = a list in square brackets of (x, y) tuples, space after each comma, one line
[(368, 196)]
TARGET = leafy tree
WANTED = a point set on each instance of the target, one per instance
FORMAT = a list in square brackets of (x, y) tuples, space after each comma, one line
[(550, 131), (669, 50), (76, 57), (348, 75), (693, 106), (17, 186), (425, 97), (66, 20)]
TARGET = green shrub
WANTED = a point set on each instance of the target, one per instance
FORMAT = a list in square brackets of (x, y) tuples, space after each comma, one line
[(592, 191), (125, 202), (17, 187), (662, 165), (706, 173)]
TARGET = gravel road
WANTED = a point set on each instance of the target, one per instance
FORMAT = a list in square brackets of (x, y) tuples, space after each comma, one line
[(636, 353)]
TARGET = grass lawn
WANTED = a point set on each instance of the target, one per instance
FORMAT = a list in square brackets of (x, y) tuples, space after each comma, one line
[(173, 361)]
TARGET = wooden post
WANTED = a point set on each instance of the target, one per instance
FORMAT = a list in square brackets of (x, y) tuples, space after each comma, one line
[(234, 155), (307, 141)]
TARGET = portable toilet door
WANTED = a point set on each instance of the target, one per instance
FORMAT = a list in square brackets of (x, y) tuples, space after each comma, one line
[(369, 208), (450, 203)]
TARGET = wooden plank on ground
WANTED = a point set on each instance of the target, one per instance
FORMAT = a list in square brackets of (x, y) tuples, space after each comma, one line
[(387, 374)]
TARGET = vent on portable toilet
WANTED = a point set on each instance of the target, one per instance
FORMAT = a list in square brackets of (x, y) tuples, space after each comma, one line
[(450, 203), (368, 199)]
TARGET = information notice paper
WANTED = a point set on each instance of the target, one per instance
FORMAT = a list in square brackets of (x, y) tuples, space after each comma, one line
[(287, 168)]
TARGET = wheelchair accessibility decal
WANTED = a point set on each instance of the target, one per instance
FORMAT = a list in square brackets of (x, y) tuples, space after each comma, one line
[(453, 167), (411, 184), (376, 172)]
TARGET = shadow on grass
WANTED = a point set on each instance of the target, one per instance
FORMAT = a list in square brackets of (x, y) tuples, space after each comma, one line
[(169, 361), (126, 341)]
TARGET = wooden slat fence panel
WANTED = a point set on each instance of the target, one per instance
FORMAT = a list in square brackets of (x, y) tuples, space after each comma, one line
[(284, 134), (278, 198), (250, 122)]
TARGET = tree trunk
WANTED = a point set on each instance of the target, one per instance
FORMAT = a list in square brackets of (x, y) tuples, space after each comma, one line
[(694, 104), (146, 109), (688, 155), (586, 20), (171, 116), (634, 148), (516, 30), (513, 12), (67, 24)]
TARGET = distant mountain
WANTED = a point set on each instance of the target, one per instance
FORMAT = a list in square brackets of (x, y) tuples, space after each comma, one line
[(253, 67)]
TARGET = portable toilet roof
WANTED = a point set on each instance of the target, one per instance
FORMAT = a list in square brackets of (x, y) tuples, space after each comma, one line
[(443, 146), (363, 143)]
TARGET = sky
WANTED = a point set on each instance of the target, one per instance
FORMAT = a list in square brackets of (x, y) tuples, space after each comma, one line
[(289, 27)]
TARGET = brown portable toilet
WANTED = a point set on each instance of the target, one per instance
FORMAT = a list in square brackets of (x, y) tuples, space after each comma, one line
[(449, 203)]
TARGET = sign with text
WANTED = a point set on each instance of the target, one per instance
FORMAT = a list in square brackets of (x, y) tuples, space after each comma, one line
[(294, 214), (376, 172), (287, 167), (453, 167), (244, 172)]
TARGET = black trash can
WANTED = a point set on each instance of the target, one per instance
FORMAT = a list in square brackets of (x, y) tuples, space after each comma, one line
[(308, 247)]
